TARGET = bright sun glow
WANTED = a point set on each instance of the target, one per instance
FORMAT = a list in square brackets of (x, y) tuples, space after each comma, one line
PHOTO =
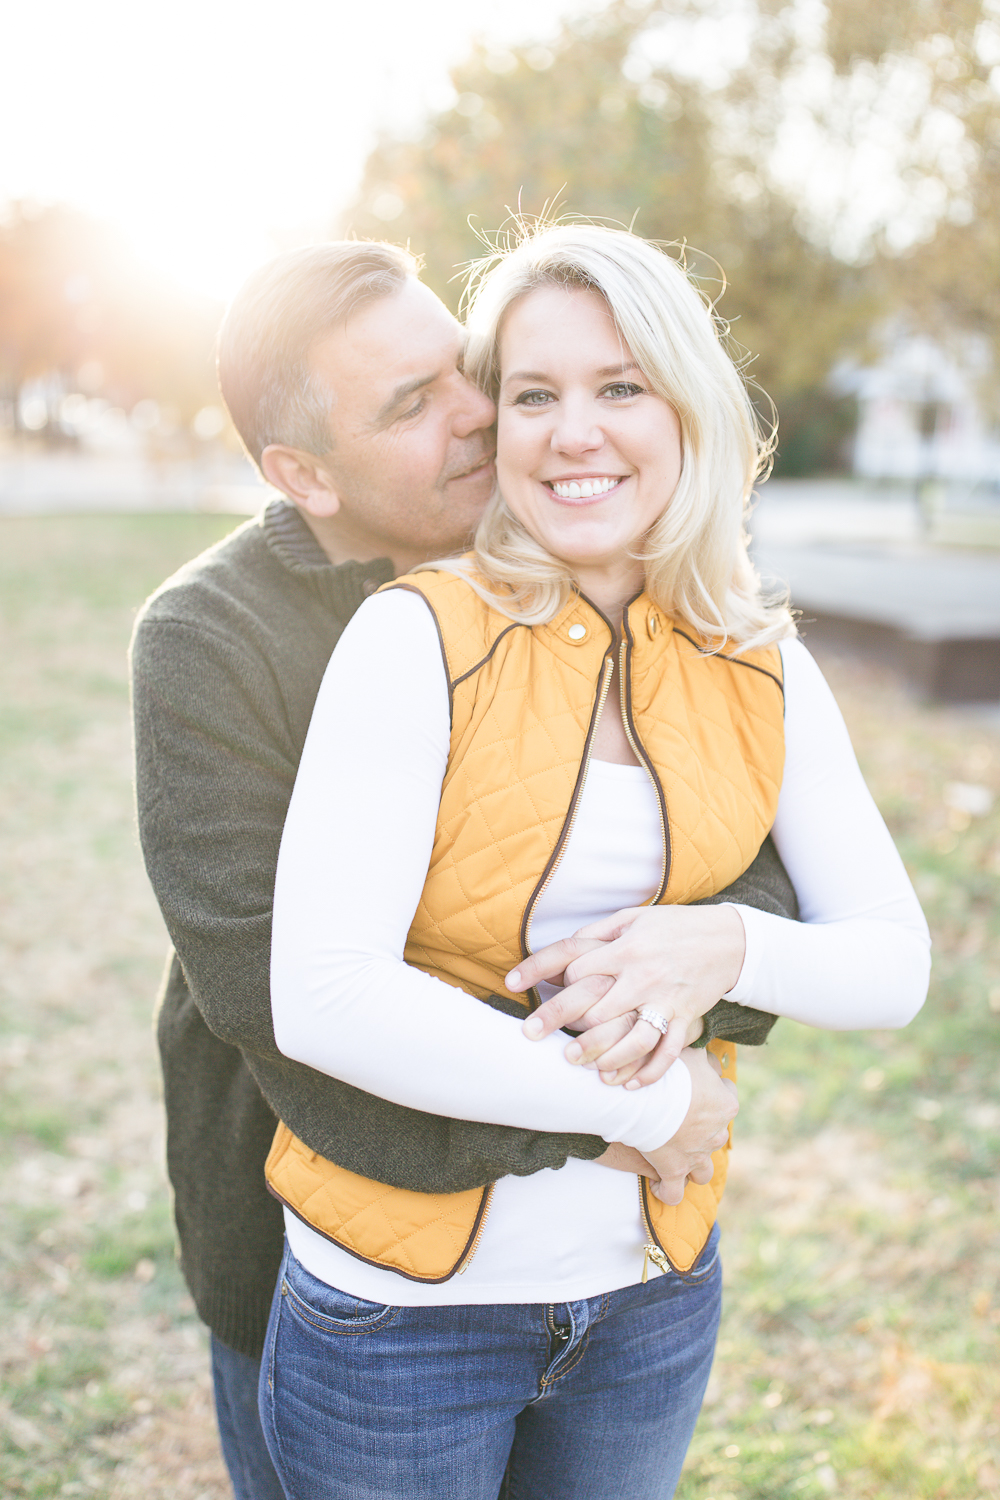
[(218, 132), (214, 132)]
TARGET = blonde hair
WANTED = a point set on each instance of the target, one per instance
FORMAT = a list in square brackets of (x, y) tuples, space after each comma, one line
[(697, 568)]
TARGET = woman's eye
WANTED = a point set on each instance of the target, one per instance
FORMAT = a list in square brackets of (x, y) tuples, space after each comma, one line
[(622, 390), (532, 398)]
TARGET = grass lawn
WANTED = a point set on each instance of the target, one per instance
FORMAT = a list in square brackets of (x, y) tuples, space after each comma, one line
[(858, 1355)]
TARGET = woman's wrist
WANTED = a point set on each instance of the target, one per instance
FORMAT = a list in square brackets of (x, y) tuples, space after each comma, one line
[(732, 948), (664, 1108)]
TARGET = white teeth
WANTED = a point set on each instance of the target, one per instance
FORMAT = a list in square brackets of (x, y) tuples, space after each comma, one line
[(585, 489)]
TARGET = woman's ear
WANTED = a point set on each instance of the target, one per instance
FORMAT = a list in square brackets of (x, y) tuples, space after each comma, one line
[(303, 477)]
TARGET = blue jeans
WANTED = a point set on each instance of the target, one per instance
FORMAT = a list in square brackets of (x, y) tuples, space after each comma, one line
[(590, 1400), (235, 1378)]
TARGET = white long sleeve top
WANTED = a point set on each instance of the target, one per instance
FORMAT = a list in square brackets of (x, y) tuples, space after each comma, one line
[(354, 856)]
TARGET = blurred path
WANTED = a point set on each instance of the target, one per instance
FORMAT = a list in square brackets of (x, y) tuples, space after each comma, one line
[(71, 484)]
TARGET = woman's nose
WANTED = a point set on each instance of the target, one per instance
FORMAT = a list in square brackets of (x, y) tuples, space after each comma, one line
[(576, 430)]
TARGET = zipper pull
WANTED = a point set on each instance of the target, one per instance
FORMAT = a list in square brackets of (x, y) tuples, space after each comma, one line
[(655, 1254)]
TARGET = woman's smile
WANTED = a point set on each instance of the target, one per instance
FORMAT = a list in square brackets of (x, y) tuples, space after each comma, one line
[(589, 454), (584, 487)]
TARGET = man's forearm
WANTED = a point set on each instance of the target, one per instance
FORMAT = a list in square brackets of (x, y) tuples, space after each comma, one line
[(211, 810), (211, 813)]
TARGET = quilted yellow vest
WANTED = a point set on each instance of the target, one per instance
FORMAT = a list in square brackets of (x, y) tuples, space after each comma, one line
[(525, 703)]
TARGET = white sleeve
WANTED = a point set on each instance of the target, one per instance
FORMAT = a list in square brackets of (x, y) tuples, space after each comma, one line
[(354, 856), (860, 957)]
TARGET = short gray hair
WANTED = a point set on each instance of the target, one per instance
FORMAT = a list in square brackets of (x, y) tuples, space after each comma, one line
[(276, 317)]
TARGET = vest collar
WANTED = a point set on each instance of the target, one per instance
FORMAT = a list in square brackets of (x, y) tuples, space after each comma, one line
[(644, 622)]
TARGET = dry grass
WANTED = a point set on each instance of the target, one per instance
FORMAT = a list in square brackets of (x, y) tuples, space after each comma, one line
[(859, 1351), (104, 1381)]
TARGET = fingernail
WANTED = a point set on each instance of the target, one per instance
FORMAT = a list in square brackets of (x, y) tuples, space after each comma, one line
[(514, 979), (633, 1083), (574, 1052), (532, 1027), (609, 1077)]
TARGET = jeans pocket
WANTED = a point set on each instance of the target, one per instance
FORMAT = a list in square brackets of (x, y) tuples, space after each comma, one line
[(327, 1307)]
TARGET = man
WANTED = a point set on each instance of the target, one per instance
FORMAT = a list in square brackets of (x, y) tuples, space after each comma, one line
[(343, 375)]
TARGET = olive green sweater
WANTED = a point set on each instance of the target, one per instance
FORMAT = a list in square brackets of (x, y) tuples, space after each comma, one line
[(227, 659)]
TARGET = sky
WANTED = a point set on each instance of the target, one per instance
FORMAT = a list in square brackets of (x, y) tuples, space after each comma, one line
[(217, 131)]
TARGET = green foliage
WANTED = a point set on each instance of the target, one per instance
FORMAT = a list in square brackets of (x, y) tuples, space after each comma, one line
[(815, 434), (584, 136), (589, 125)]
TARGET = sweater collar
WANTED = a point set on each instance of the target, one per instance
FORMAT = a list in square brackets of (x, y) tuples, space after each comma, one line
[(343, 587)]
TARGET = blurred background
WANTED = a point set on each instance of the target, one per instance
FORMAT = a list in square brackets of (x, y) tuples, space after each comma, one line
[(832, 170)]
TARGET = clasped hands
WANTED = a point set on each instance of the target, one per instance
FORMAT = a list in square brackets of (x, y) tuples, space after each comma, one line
[(678, 960)]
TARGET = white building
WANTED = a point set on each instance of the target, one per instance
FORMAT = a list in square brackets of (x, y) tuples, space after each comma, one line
[(921, 414)]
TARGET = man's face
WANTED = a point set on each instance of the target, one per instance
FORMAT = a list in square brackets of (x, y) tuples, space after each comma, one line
[(413, 447)]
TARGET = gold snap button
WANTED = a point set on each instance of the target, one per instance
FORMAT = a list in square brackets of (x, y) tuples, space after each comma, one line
[(577, 632), (652, 624), (724, 1059)]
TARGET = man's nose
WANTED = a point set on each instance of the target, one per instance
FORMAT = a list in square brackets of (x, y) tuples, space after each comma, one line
[(474, 410)]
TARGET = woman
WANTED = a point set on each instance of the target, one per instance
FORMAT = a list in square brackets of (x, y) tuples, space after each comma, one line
[(593, 711)]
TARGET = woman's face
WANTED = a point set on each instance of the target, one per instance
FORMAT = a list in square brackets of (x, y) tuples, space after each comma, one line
[(587, 456)]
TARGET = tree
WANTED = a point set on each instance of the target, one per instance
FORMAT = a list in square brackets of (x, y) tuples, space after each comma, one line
[(72, 295), (608, 125)]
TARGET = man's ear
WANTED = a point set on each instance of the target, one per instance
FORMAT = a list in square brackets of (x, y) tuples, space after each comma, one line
[(303, 477)]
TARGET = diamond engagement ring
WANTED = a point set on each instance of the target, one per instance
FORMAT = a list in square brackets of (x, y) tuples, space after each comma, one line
[(647, 1013)]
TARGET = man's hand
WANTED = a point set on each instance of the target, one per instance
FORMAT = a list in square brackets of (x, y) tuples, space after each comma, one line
[(714, 1103), (678, 960), (626, 1159)]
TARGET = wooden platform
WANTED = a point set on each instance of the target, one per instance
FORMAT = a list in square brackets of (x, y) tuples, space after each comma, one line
[(930, 612)]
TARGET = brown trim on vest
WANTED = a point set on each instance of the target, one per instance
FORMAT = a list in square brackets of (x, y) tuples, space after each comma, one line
[(408, 587), (514, 625), (625, 687), (737, 661), (378, 1264)]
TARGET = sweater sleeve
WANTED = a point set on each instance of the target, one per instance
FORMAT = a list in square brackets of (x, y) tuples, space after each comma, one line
[(860, 957), (766, 887), (343, 999), (216, 755)]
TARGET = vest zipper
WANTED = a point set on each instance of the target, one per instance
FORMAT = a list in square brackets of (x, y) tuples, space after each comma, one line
[(567, 828), (652, 1250), (483, 1215), (632, 735)]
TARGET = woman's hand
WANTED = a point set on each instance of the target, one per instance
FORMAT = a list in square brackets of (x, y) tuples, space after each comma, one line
[(678, 960)]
